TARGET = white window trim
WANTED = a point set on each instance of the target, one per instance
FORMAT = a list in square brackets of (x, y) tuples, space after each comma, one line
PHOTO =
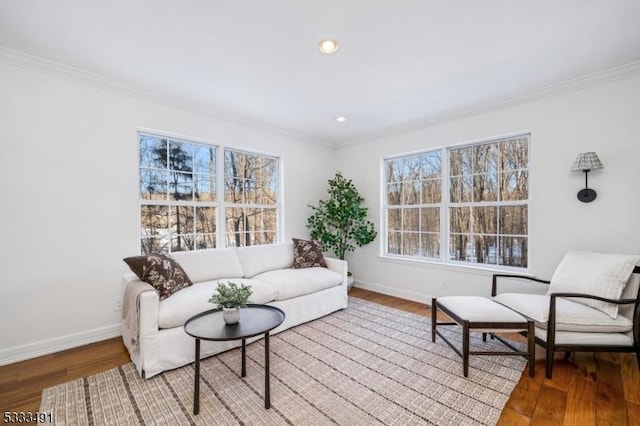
[(220, 206), (443, 262)]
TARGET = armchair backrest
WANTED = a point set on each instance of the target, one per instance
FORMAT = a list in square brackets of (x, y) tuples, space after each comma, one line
[(601, 275)]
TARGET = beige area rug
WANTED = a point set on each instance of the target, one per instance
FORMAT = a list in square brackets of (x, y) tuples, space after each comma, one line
[(365, 365)]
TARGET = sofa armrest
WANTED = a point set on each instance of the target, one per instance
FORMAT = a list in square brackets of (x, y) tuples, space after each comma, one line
[(527, 284), (339, 266), (140, 320)]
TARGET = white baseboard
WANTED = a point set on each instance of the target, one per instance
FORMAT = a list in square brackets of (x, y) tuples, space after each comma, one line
[(49, 346), (391, 291)]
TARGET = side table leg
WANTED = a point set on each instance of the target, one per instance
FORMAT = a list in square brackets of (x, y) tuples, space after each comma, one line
[(243, 373), (267, 382), (196, 381)]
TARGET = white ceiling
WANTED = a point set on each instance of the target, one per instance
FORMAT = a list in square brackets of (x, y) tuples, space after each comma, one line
[(400, 62)]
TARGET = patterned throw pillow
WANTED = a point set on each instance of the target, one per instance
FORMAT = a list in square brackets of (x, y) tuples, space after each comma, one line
[(160, 270), (307, 254)]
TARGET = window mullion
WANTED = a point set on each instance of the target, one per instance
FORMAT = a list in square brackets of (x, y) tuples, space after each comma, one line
[(221, 212), (445, 228)]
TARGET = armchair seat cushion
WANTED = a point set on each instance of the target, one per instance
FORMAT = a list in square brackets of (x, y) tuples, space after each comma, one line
[(587, 339), (570, 316)]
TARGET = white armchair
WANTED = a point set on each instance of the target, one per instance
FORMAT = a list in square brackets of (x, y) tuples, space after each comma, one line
[(591, 304)]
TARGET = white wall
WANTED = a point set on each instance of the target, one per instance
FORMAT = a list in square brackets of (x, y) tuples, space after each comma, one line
[(69, 201), (603, 119)]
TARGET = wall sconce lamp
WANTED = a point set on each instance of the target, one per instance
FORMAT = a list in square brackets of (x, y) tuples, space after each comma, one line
[(585, 162)]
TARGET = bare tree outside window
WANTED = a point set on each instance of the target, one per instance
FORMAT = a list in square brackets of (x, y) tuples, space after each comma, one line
[(413, 192), (488, 205), (485, 206), (251, 198), (177, 193), (180, 201)]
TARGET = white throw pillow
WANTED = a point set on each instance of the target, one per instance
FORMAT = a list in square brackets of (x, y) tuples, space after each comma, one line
[(210, 264), (266, 257), (596, 274)]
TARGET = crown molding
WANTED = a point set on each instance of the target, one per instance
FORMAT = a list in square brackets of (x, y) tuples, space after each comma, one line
[(55, 69), (77, 75), (594, 79)]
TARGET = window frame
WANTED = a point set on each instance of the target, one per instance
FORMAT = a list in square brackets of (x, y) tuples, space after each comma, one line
[(219, 203), (250, 205), (445, 205), (402, 207)]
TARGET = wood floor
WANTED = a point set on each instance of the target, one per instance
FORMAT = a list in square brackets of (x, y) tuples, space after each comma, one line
[(585, 390)]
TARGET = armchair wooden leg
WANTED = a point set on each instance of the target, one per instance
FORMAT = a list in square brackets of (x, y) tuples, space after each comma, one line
[(433, 320), (551, 335), (549, 360), (531, 345)]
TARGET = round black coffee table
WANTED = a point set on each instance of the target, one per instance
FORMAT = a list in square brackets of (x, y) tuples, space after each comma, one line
[(254, 320)]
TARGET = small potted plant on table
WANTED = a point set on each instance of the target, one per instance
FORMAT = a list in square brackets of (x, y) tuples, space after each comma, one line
[(231, 297)]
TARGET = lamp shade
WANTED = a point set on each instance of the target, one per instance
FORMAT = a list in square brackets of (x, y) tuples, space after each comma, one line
[(586, 161)]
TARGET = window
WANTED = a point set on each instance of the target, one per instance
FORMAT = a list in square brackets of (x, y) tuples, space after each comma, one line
[(251, 197), (414, 195), (471, 208), (180, 196)]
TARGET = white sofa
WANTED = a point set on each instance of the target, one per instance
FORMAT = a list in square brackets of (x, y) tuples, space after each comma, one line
[(159, 343)]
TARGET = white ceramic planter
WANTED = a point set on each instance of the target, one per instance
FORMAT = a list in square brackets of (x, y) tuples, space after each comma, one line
[(231, 315)]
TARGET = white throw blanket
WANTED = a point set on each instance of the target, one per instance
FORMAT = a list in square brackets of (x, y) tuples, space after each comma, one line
[(131, 313)]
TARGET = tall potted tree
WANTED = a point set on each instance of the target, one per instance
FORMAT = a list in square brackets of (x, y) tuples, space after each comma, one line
[(340, 223)]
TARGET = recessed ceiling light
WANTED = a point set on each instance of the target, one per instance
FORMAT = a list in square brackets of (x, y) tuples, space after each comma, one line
[(341, 119), (328, 46)]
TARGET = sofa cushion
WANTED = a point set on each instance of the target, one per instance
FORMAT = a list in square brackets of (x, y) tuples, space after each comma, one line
[(570, 316), (161, 271), (210, 264), (307, 254), (292, 283), (596, 274), (182, 305), (263, 258)]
